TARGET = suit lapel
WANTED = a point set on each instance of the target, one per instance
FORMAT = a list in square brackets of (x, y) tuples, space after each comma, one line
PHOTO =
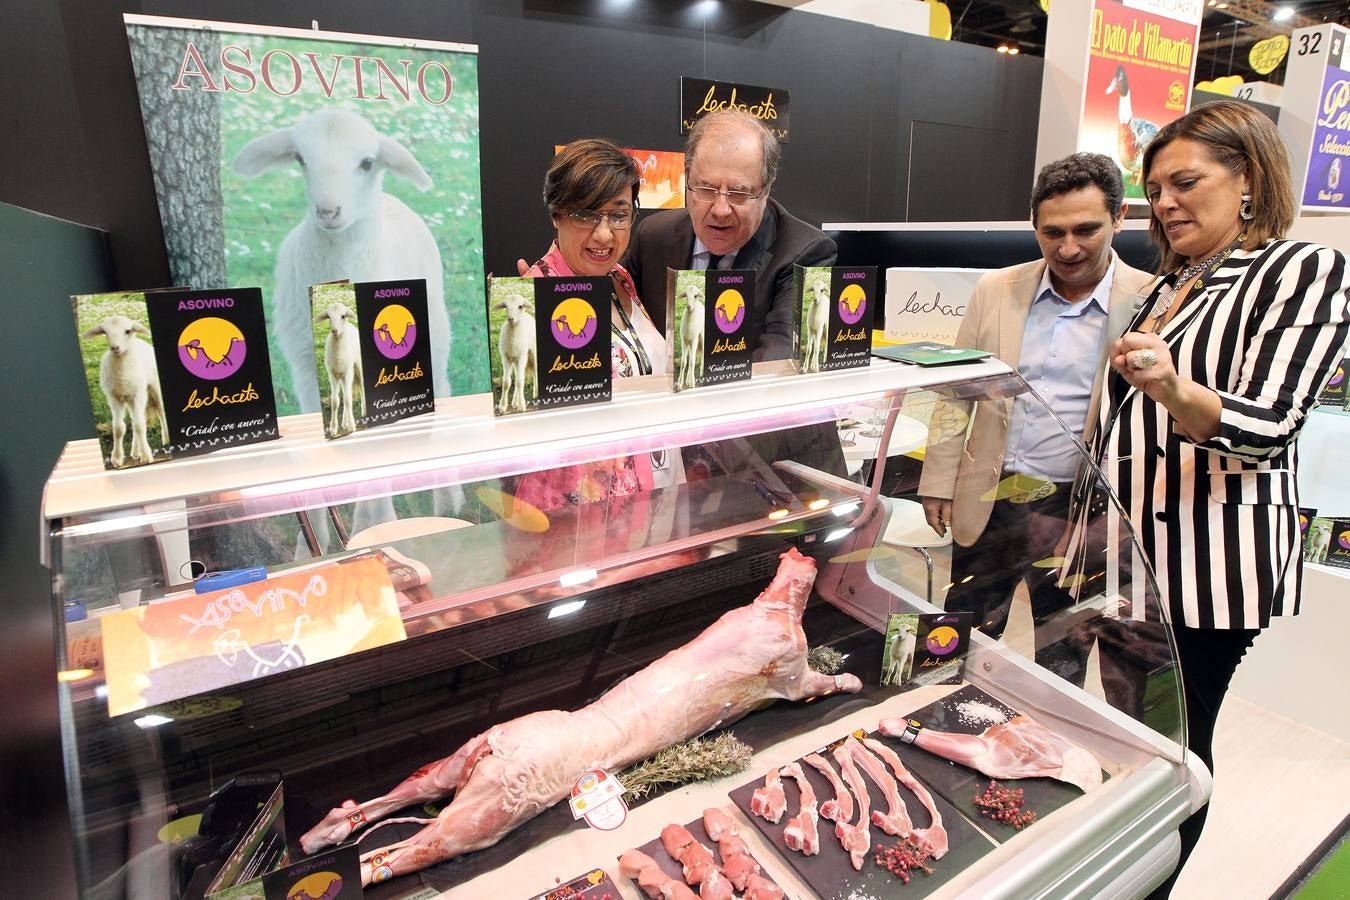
[(755, 254), (1120, 315), (1014, 307)]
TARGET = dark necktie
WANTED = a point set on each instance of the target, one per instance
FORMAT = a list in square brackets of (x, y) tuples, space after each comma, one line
[(713, 260)]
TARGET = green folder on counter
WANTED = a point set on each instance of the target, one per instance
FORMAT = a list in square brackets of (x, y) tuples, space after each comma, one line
[(929, 353)]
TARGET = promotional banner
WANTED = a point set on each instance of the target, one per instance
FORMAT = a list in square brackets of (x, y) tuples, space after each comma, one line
[(927, 304), (287, 158), (1327, 185), (175, 373), (1141, 59), (836, 309), (699, 96), (371, 343), (711, 328)]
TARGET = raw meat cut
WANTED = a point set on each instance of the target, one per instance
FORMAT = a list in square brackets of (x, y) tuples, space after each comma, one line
[(934, 837), (633, 862), (656, 884), (697, 861), (896, 819), (769, 802), (737, 863), (838, 808), (717, 823), (1018, 748), (761, 888), (801, 832), (857, 839), (514, 771)]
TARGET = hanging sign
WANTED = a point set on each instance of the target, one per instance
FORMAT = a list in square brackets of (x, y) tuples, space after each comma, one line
[(699, 96)]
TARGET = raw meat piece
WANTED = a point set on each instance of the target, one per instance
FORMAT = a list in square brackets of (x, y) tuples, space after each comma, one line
[(633, 862), (716, 887), (896, 819), (1018, 748), (516, 770), (769, 802), (677, 890), (654, 882), (839, 808), (857, 839), (761, 888), (717, 823), (732, 844), (740, 866), (934, 837), (675, 838), (801, 832)]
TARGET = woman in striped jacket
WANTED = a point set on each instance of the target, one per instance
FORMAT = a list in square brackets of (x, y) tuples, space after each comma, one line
[(1216, 376)]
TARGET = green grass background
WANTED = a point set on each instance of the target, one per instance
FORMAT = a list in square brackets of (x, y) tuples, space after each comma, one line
[(502, 287)]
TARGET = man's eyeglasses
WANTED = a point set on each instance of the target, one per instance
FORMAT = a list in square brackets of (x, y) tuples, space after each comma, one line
[(619, 219), (707, 195)]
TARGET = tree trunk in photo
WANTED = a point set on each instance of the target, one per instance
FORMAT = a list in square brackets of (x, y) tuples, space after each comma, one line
[(182, 129)]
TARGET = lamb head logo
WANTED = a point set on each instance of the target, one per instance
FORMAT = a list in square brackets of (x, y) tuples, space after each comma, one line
[(212, 348), (395, 331), (574, 323), (852, 304), (942, 640), (319, 886), (729, 311)]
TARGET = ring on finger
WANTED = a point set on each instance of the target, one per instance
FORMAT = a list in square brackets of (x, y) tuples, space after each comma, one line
[(1142, 359)]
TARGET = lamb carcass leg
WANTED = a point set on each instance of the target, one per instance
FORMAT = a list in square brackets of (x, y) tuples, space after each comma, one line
[(751, 656), (1018, 748)]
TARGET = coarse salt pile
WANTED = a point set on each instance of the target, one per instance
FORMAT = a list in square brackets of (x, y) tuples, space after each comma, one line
[(977, 712)]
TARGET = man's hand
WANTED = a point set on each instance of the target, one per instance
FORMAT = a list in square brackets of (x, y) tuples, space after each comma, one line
[(938, 512)]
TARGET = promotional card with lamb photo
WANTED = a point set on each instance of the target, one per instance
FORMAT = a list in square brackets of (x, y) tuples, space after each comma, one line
[(836, 306), (1337, 552), (549, 342), (374, 352), (925, 648), (708, 317), (175, 372)]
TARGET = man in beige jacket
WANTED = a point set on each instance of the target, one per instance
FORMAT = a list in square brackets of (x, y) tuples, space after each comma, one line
[(1004, 487)]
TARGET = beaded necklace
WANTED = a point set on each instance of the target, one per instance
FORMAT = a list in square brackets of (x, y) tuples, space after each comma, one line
[(1195, 271)]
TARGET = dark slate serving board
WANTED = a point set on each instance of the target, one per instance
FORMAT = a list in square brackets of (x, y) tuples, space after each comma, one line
[(583, 887), (657, 851), (959, 785), (831, 874)]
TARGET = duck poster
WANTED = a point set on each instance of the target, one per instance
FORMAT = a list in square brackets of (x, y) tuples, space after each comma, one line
[(1141, 63), (285, 157)]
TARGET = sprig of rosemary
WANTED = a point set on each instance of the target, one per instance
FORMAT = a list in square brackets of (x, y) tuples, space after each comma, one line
[(825, 660), (698, 759)]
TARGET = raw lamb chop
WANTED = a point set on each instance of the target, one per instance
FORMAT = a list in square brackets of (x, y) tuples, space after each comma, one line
[(512, 772), (696, 860), (1018, 748), (769, 802), (839, 808), (656, 884), (896, 819), (737, 863), (934, 837), (801, 832), (857, 839)]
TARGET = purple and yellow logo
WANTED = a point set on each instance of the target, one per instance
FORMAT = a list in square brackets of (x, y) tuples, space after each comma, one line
[(1302, 523), (574, 323), (1338, 377), (729, 311), (318, 886), (1344, 539), (852, 304), (943, 640), (395, 331), (211, 348)]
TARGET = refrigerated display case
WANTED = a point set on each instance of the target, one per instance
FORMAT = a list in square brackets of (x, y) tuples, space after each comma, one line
[(419, 587)]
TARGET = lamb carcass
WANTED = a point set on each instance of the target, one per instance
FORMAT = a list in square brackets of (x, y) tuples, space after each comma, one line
[(512, 772), (1018, 748)]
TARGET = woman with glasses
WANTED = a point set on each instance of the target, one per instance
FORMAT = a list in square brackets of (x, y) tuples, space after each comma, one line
[(591, 191)]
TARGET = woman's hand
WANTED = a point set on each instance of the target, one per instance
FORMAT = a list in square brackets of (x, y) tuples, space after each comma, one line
[(1145, 361)]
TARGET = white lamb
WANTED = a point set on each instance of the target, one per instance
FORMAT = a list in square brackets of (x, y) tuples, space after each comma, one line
[(691, 339), (516, 347), (342, 360), (130, 380), (352, 229), (817, 323)]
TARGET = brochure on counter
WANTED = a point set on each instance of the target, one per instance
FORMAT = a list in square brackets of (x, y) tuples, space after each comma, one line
[(549, 342), (373, 348), (175, 372), (930, 353), (835, 311), (708, 317)]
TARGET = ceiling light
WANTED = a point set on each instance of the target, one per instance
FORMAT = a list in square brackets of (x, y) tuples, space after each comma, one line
[(1002, 48), (1013, 51), (1283, 14)]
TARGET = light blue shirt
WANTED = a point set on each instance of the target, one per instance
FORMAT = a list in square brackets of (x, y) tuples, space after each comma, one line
[(1061, 353), (701, 255)]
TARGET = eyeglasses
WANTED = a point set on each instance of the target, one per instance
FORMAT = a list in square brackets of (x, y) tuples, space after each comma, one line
[(705, 194), (619, 219)]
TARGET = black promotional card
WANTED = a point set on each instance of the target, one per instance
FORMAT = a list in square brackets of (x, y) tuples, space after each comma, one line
[(699, 96), (373, 349), (940, 647), (836, 309), (549, 340), (1334, 393), (709, 321), (1338, 546), (211, 347)]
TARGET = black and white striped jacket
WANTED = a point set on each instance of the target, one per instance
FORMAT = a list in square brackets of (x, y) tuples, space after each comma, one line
[(1218, 520)]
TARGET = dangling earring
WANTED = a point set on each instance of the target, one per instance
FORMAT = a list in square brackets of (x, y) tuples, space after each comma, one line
[(1245, 211)]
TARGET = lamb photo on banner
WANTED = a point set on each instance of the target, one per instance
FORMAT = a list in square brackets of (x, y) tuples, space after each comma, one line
[(285, 158)]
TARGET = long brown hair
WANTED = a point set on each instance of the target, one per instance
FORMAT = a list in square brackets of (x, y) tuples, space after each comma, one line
[(1243, 140)]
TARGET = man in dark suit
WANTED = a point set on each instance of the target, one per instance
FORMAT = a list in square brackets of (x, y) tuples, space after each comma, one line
[(730, 222)]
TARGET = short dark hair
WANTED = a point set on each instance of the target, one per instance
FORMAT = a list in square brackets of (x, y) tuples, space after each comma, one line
[(587, 173), (1244, 141), (1079, 170), (729, 119)]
